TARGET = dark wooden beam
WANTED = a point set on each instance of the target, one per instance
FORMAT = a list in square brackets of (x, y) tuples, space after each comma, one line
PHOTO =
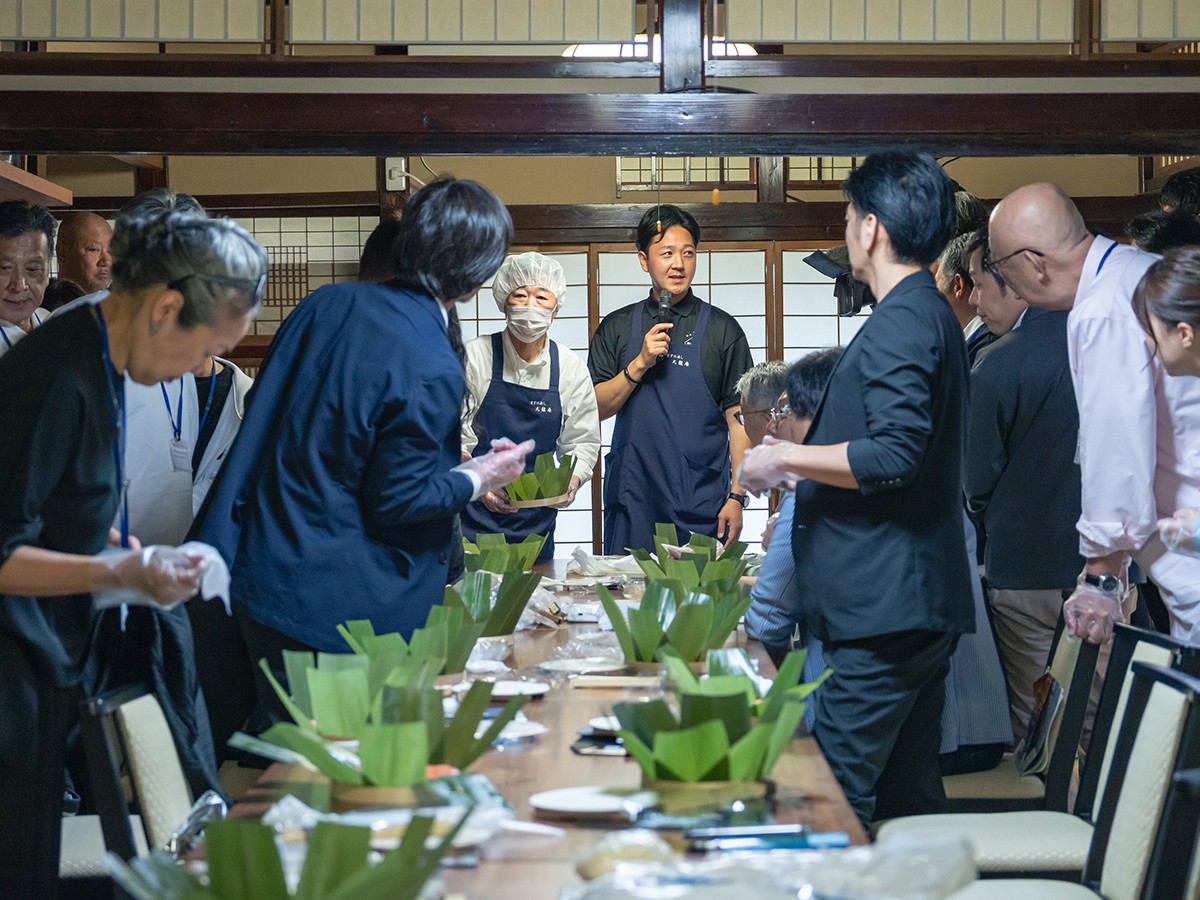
[(682, 46), (113, 122), (226, 65), (1108, 65)]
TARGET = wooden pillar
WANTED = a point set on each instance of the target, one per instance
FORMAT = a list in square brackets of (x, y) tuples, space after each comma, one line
[(682, 27), (772, 187)]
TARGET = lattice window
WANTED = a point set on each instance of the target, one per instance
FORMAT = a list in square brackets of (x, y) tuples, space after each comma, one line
[(819, 171), (685, 173)]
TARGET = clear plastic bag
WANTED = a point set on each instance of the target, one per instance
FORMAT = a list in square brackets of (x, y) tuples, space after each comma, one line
[(1178, 532)]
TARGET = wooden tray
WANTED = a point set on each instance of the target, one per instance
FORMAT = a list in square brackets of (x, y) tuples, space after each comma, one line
[(534, 504)]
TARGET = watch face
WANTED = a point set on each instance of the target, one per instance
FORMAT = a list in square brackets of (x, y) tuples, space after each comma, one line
[(1109, 584)]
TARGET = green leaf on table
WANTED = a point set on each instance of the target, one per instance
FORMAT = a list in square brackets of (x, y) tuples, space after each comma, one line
[(717, 685), (511, 599), (727, 612), (356, 632), (683, 571), (524, 487), (296, 665), (155, 877), (680, 677), (475, 595), (649, 566), (394, 755), (731, 710), (620, 625), (341, 700), (689, 631), (493, 553), (334, 854), (705, 545), (483, 743), (730, 661), (783, 729), (664, 533), (645, 719), (312, 748), (647, 632), (688, 754), (302, 720), (639, 751), (401, 874), (415, 704), (747, 755), (243, 862)]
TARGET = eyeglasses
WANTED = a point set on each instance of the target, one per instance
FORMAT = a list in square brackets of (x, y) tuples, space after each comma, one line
[(775, 413), (992, 266), (259, 290)]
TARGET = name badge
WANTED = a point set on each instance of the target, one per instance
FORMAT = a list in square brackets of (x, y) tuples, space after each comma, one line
[(181, 456)]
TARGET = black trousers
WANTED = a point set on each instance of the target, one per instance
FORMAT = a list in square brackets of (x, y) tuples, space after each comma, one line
[(267, 643), (878, 721)]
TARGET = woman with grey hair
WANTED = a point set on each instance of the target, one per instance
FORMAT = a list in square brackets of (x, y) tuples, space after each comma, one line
[(182, 287), (522, 384)]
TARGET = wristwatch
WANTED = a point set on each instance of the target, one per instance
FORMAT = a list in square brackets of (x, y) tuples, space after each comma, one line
[(743, 499), (1106, 584)]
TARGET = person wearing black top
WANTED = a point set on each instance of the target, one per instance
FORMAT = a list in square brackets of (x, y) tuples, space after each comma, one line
[(668, 371), (183, 288), (878, 535)]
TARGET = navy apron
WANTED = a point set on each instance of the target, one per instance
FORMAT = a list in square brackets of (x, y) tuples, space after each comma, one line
[(669, 460), (520, 413)]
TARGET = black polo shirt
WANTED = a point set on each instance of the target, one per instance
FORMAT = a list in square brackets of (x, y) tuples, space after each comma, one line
[(724, 351)]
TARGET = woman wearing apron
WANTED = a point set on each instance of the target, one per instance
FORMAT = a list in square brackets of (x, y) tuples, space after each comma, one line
[(522, 385)]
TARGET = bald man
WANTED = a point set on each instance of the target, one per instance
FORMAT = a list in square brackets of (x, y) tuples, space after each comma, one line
[(82, 251), (1139, 431)]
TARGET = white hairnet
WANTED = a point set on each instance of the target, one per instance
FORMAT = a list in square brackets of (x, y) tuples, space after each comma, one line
[(528, 270)]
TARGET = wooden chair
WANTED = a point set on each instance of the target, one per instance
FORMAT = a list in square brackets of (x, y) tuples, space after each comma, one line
[(1052, 842), (1159, 737), (1072, 662), (1175, 866)]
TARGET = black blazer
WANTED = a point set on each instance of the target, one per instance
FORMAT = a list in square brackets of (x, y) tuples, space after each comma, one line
[(891, 556), (1020, 472)]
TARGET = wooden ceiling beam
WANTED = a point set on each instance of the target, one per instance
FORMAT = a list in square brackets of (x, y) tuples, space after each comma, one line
[(17, 184), (161, 123)]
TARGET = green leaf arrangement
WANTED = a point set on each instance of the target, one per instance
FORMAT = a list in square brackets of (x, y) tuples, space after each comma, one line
[(703, 562), (244, 864), (726, 730), (493, 553), (516, 587), (692, 621), (547, 480)]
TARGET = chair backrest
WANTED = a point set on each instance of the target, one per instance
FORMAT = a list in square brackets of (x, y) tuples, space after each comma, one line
[(1159, 735), (1129, 645), (127, 726), (1175, 865), (1073, 664)]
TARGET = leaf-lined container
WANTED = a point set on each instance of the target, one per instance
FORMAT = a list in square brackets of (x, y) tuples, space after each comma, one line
[(546, 485), (702, 561), (493, 553)]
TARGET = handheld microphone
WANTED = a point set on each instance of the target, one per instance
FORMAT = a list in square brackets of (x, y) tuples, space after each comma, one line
[(664, 312)]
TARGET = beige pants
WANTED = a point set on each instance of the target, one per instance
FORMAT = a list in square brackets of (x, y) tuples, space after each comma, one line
[(1024, 622)]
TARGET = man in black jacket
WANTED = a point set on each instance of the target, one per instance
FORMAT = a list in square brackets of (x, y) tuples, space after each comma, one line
[(878, 538), (1020, 475)]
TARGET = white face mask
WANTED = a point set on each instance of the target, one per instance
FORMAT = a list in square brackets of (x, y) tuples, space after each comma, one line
[(528, 323)]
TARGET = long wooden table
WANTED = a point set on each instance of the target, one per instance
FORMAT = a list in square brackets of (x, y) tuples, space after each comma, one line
[(528, 867)]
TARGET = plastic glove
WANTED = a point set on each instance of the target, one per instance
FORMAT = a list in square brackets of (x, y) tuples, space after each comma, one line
[(764, 467), (501, 465), (498, 502), (769, 531), (1091, 613), (1179, 532), (571, 489), (164, 574)]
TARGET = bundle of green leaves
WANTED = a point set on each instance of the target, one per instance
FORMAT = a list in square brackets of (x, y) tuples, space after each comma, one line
[(244, 864), (549, 479), (493, 553), (727, 729), (702, 561), (397, 719), (691, 621)]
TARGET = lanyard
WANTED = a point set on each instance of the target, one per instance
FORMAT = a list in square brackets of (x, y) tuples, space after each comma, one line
[(117, 399), (4, 334), (35, 319), (1104, 258), (212, 388), (176, 423)]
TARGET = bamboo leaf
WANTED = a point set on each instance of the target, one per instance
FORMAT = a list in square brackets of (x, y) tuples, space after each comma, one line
[(682, 570), (335, 853), (783, 729), (787, 677), (664, 533), (394, 755), (731, 661), (459, 741), (689, 753), (679, 676), (402, 874), (647, 633), (482, 744), (511, 599), (243, 863), (620, 626), (645, 719), (524, 487), (416, 704), (747, 755), (296, 665), (731, 710), (640, 752), (341, 700), (289, 704), (476, 595), (651, 569), (312, 748), (689, 630), (357, 631)]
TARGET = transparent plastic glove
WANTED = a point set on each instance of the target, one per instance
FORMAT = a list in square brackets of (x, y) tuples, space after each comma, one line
[(162, 575), (1091, 613), (498, 502), (763, 467), (1179, 532), (501, 465)]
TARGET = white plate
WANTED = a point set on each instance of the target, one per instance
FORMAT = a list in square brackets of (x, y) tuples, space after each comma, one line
[(506, 690), (515, 730), (580, 666), (605, 724), (589, 801)]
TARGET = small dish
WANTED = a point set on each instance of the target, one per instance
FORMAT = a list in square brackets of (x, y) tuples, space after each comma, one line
[(515, 730), (604, 725), (593, 800)]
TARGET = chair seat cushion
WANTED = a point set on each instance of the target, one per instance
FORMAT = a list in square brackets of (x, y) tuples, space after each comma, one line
[(1031, 841), (1022, 888), (1003, 782), (82, 854)]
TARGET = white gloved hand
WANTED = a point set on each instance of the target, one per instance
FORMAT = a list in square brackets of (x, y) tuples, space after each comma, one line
[(501, 465), (165, 575), (765, 467), (1091, 613), (1179, 532)]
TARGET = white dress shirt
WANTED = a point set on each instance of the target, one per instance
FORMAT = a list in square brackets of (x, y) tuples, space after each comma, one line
[(14, 333), (1139, 431), (580, 435)]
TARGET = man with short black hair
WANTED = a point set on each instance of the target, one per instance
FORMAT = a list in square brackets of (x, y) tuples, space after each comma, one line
[(879, 544), (667, 367), (1181, 193), (26, 245)]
